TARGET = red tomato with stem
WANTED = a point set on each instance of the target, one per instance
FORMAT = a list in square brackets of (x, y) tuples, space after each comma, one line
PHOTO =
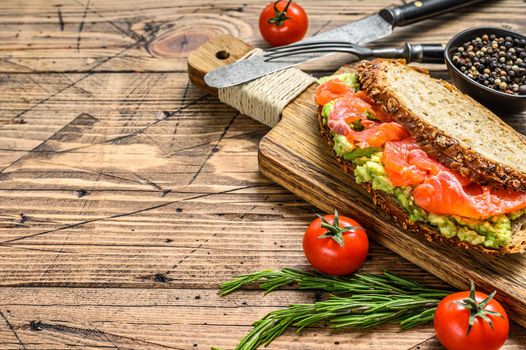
[(471, 320), (283, 22), (335, 245)]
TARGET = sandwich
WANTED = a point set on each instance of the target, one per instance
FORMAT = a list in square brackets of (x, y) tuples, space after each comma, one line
[(434, 159)]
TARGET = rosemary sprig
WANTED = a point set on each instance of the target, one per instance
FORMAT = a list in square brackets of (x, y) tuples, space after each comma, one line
[(270, 280), (363, 301)]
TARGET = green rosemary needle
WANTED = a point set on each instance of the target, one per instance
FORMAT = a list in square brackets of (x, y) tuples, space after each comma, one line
[(363, 301)]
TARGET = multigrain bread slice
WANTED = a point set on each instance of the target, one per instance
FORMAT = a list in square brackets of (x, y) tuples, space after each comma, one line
[(450, 126), (389, 205)]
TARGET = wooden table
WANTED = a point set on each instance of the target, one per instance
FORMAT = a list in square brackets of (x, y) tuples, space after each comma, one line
[(127, 195)]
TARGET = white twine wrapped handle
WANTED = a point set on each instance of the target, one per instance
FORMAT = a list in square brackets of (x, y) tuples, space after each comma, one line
[(265, 98)]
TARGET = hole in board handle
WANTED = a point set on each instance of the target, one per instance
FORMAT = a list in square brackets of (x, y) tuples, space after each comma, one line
[(222, 55)]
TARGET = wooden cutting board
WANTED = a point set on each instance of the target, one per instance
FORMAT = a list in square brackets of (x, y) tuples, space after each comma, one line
[(294, 155)]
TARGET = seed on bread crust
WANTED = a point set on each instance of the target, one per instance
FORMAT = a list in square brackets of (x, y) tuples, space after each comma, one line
[(464, 171), (374, 92), (455, 165), (392, 105)]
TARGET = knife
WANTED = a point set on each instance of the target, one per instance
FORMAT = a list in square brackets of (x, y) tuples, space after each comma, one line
[(362, 31)]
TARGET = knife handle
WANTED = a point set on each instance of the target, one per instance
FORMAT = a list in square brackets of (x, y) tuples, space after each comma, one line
[(415, 11)]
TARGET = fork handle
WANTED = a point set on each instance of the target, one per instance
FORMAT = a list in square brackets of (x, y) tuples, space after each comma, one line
[(415, 11), (423, 53)]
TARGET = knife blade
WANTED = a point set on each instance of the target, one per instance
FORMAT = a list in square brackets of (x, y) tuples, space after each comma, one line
[(362, 31), (367, 29)]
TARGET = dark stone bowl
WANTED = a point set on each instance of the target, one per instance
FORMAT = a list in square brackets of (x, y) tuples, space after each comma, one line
[(493, 99)]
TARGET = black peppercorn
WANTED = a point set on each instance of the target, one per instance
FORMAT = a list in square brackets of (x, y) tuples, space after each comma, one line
[(494, 61)]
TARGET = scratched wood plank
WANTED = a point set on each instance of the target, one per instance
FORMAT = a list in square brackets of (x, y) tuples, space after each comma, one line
[(123, 188), (173, 319), (96, 35), (80, 217)]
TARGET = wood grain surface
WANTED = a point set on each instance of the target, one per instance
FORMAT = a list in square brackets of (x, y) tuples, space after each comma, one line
[(127, 195)]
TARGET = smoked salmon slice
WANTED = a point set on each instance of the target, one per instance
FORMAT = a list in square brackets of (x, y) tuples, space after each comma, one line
[(444, 194), (440, 190), (380, 133), (396, 163), (349, 109), (331, 90)]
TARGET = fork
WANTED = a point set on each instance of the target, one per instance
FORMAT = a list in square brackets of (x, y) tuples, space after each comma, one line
[(424, 53)]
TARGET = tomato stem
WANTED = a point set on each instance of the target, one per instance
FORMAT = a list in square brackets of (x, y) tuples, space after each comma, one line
[(334, 230), (280, 16), (476, 309)]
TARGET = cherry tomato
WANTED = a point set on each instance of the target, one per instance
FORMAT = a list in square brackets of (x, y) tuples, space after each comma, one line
[(283, 22), (335, 245), (489, 327)]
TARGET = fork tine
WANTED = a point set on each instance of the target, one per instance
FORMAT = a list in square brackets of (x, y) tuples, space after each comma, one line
[(278, 55), (307, 44), (308, 47)]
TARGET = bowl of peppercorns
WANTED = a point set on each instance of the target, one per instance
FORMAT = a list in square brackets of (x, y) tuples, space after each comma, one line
[(489, 64)]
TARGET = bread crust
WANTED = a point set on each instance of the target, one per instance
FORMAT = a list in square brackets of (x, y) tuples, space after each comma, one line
[(388, 204), (447, 150)]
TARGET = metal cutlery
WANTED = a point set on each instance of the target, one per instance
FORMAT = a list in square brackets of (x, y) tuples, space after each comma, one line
[(362, 31), (425, 53)]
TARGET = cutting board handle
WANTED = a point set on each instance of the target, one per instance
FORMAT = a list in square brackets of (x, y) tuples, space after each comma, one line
[(216, 52), (262, 99)]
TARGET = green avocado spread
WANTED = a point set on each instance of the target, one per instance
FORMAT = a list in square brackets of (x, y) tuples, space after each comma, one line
[(494, 232), (326, 110)]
